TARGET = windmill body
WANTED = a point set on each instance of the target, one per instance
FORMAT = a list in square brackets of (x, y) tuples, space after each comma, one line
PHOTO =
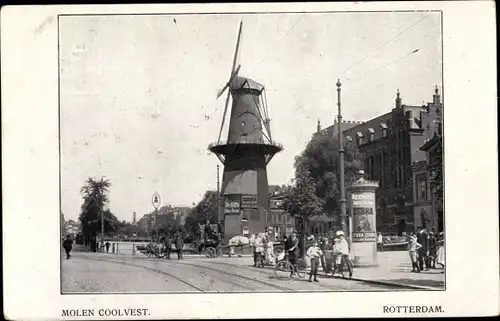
[(245, 155)]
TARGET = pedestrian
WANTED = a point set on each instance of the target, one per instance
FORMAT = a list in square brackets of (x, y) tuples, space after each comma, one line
[(432, 250), (380, 242), (413, 249), (114, 248), (291, 248), (179, 244), (252, 245), (168, 247), (423, 252), (341, 249), (314, 253), (441, 253), (259, 249), (270, 257), (107, 246), (68, 245), (323, 247)]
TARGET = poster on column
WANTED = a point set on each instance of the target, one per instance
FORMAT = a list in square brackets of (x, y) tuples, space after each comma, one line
[(363, 208)]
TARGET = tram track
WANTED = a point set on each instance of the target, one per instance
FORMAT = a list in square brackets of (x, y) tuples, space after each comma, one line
[(239, 285), (182, 280), (279, 287), (322, 285), (271, 272)]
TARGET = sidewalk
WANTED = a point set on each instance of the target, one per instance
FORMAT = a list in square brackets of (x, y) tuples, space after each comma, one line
[(395, 269)]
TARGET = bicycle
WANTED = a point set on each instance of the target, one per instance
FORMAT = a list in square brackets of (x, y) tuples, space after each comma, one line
[(285, 270), (345, 263)]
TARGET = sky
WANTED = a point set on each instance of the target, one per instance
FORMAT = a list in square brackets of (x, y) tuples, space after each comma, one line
[(135, 91)]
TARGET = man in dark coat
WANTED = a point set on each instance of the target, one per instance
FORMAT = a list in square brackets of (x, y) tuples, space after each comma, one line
[(292, 248), (423, 252), (68, 245), (179, 244), (168, 247)]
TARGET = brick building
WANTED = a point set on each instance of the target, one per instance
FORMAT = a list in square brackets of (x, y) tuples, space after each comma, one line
[(391, 145), (278, 220), (428, 209)]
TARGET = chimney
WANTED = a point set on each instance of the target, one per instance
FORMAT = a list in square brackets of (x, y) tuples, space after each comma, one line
[(436, 98), (398, 100), (318, 127)]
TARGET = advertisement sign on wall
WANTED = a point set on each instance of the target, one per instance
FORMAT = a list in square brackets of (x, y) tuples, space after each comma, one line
[(249, 201), (363, 217)]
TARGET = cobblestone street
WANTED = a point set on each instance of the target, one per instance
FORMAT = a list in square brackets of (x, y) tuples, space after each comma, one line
[(110, 273)]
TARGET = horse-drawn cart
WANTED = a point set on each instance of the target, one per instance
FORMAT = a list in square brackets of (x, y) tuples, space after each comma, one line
[(213, 249)]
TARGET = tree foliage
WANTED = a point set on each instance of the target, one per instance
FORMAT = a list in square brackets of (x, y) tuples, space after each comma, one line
[(436, 181), (95, 198), (302, 200), (321, 159), (205, 210)]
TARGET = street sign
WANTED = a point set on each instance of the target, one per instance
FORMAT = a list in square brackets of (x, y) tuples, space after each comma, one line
[(156, 200)]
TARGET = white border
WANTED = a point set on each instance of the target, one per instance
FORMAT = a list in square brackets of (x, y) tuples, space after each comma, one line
[(31, 171)]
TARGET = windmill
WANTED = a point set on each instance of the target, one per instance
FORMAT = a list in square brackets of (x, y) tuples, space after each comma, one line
[(245, 154)]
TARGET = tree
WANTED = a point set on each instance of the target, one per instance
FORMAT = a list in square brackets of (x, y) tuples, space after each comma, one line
[(436, 180), (95, 198), (63, 224), (206, 209), (303, 202), (321, 159)]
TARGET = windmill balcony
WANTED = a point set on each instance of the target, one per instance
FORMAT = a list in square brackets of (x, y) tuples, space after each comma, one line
[(243, 142)]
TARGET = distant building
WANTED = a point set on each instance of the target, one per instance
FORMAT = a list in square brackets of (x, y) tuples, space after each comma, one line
[(181, 212), (278, 221), (145, 223), (71, 227), (391, 145), (134, 219)]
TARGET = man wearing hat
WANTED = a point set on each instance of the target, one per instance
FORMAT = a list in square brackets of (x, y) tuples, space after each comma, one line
[(291, 247), (343, 249), (68, 245), (423, 252)]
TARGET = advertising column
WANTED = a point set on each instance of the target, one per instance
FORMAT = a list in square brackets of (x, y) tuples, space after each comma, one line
[(363, 223)]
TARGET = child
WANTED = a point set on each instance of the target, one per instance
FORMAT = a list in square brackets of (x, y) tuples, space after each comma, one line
[(413, 248), (337, 257), (314, 253)]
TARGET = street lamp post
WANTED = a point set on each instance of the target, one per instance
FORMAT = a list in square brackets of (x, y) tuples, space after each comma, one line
[(341, 165)]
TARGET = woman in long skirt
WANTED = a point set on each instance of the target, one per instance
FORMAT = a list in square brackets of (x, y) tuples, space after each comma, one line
[(270, 257), (441, 252)]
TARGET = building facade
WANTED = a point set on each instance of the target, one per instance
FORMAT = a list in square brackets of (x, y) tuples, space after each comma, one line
[(278, 221), (390, 144), (431, 216)]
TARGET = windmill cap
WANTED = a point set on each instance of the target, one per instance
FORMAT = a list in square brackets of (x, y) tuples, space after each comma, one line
[(245, 83)]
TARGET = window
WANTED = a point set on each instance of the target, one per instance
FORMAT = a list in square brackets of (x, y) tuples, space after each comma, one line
[(359, 138), (384, 130), (422, 188), (371, 134)]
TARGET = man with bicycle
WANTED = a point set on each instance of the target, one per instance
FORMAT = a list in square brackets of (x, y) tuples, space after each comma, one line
[(342, 248), (291, 247)]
